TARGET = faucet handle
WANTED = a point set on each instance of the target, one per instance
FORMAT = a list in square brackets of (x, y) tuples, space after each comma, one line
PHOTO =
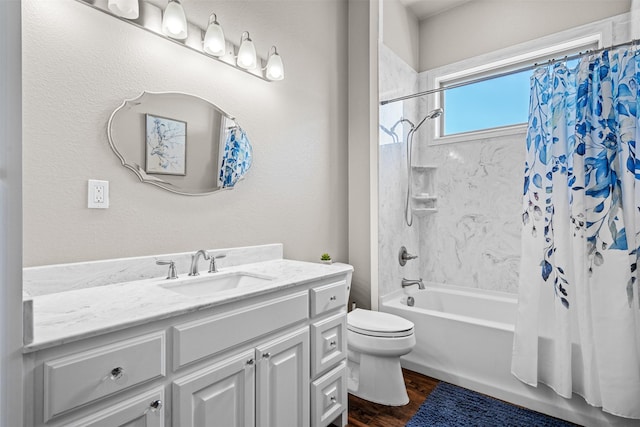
[(212, 264), (172, 268), (404, 256)]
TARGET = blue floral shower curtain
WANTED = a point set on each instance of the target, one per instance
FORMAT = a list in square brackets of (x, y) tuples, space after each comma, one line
[(237, 157), (578, 325)]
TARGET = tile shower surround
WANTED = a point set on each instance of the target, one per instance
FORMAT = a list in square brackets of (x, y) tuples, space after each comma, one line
[(474, 238), (396, 79)]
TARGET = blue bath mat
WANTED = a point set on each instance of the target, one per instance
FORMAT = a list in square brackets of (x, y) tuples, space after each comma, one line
[(452, 406)]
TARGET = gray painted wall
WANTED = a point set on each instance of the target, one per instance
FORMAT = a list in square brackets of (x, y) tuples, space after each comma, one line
[(79, 64), (10, 216), (363, 149), (483, 26), (401, 31)]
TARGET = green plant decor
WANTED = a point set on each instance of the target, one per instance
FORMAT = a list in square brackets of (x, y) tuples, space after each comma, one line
[(325, 257)]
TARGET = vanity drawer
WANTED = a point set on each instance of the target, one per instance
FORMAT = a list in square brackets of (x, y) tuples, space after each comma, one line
[(329, 343), (329, 396), (328, 297), (81, 378), (146, 410), (194, 340)]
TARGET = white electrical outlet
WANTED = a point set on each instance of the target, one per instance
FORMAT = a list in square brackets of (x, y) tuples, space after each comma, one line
[(98, 195)]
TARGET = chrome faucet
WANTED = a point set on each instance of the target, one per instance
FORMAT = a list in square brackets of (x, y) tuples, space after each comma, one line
[(410, 282), (193, 270)]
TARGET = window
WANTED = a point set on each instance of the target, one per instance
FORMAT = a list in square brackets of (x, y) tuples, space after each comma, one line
[(498, 102), (493, 103)]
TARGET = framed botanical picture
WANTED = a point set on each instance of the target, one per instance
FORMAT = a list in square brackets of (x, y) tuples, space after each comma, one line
[(166, 146)]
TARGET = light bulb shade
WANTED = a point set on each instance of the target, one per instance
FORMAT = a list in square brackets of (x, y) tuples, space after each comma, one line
[(174, 21), (275, 68), (125, 8), (214, 43), (247, 53)]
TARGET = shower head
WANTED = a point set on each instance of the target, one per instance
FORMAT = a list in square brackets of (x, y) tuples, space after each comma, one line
[(433, 114)]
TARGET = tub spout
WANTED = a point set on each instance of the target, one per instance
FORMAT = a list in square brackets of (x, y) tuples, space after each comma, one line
[(409, 282)]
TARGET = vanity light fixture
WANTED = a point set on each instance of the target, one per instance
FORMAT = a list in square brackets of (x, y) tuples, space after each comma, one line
[(174, 21), (274, 68), (247, 52), (170, 23), (126, 8), (214, 42)]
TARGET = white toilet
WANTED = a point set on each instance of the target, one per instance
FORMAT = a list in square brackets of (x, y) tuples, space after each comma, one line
[(375, 342)]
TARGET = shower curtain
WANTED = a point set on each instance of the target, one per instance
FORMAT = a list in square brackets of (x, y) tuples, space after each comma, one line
[(237, 157), (578, 324)]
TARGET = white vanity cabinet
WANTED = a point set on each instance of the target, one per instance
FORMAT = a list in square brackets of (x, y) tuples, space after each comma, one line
[(276, 359), (265, 386), (329, 397)]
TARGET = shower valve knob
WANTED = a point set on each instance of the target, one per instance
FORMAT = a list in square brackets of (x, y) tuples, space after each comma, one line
[(404, 256)]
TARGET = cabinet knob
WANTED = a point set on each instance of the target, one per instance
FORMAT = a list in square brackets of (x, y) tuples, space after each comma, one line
[(116, 373), (266, 355), (333, 399), (333, 344), (156, 405), (250, 362), (333, 298)]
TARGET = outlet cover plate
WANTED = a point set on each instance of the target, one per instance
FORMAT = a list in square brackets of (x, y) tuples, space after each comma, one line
[(98, 194)]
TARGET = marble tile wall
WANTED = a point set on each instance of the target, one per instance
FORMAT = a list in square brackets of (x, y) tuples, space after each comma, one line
[(396, 79), (474, 238)]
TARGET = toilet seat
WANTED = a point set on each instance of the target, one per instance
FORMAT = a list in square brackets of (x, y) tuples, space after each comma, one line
[(378, 324)]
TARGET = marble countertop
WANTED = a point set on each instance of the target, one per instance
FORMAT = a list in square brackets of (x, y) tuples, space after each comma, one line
[(64, 317)]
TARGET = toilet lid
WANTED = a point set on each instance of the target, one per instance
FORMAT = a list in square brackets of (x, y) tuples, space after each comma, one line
[(378, 324)]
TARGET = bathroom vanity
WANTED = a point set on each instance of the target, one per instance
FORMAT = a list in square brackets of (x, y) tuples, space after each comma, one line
[(262, 342)]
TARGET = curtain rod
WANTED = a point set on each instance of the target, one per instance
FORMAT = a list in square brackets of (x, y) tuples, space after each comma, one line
[(508, 73)]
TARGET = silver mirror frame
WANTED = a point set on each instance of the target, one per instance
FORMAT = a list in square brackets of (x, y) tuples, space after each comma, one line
[(138, 170)]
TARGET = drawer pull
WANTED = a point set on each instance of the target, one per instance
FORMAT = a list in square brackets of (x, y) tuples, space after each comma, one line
[(333, 399), (266, 355), (116, 373), (332, 344), (250, 362), (156, 405), (333, 298)]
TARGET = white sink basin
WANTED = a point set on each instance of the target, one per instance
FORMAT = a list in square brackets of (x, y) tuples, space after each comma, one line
[(208, 284)]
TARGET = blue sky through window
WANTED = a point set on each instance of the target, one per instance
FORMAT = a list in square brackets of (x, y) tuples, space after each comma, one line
[(501, 101)]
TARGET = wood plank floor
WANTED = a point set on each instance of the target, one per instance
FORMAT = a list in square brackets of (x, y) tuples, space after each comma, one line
[(367, 414)]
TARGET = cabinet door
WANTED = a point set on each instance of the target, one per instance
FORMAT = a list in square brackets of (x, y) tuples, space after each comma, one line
[(220, 395), (282, 397), (145, 410)]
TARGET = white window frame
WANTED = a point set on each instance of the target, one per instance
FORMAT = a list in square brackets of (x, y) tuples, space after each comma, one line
[(581, 38)]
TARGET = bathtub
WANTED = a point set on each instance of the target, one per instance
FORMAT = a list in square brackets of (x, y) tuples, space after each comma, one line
[(464, 336)]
